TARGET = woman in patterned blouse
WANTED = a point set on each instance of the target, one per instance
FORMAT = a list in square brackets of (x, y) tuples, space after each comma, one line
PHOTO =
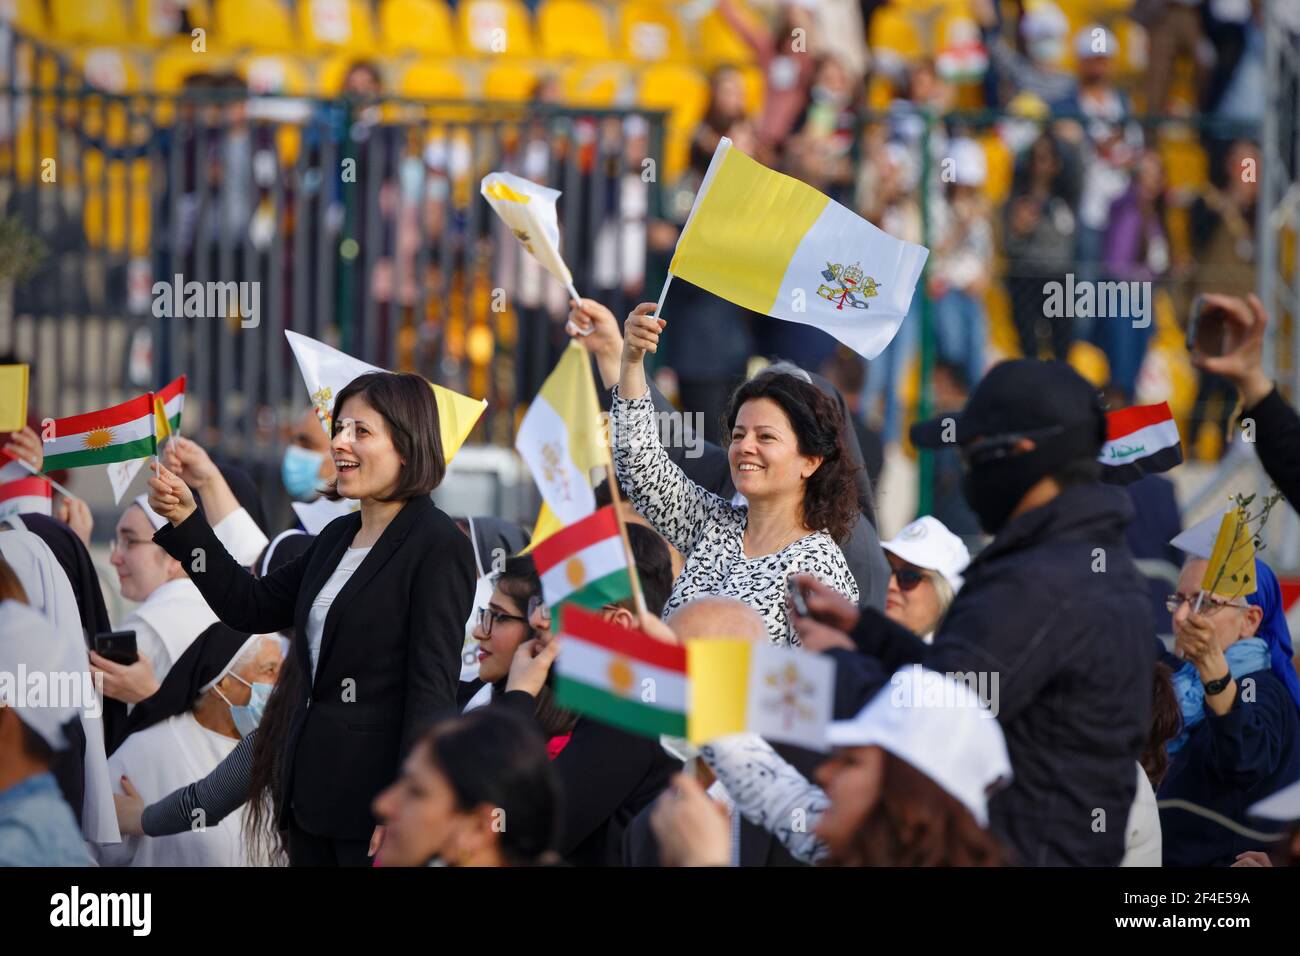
[(786, 461)]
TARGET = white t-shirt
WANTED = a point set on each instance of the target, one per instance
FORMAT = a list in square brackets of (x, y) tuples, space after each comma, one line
[(320, 607)]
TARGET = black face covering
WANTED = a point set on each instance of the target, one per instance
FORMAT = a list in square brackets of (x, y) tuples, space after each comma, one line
[(993, 489)]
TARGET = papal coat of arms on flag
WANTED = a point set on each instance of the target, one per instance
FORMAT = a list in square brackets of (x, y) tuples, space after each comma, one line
[(853, 286)]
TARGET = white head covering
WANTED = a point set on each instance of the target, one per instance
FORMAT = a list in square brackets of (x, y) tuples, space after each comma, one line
[(235, 660), (940, 727), (32, 646), (1044, 21), (155, 519), (50, 593), (927, 543)]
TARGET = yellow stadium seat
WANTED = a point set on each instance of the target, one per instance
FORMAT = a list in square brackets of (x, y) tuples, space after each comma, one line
[(1186, 165), (422, 27), (430, 80), (1000, 164), (254, 25), (572, 28), (336, 25), (101, 21), (648, 33), (173, 66), (596, 86), (29, 18), (496, 27), (269, 74), (684, 94), (894, 35), (159, 21), (720, 43), (509, 81), (755, 88)]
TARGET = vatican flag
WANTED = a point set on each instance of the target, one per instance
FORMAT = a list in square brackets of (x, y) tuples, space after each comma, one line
[(327, 370), (529, 211), (777, 246)]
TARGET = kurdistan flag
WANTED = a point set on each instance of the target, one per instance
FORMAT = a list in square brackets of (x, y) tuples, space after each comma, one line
[(120, 433), (561, 439), (619, 676), (30, 495), (585, 564)]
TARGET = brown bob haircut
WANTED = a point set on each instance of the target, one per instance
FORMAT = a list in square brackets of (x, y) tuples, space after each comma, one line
[(406, 403)]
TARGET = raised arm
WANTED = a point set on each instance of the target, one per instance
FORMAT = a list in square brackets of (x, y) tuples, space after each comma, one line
[(209, 801)]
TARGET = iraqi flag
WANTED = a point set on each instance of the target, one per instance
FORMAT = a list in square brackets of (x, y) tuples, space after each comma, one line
[(619, 676), (30, 495), (1141, 440)]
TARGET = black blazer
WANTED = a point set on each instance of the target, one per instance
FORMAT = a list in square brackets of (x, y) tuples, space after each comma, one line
[(389, 656)]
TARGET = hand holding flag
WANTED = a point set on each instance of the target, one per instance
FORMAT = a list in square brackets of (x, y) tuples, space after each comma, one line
[(169, 496)]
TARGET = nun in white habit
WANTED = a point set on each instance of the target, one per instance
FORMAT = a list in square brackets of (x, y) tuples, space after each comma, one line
[(49, 592), (182, 733)]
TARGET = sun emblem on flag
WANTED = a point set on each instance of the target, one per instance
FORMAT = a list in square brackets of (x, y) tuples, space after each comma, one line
[(789, 688), (853, 286), (620, 676), (98, 438), (576, 572)]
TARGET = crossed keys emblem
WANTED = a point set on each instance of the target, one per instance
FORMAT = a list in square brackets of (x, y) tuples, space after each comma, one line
[(853, 286)]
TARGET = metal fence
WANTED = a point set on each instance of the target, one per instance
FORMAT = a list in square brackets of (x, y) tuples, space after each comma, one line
[(187, 232)]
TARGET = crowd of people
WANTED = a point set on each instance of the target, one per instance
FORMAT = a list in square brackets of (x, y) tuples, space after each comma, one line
[(381, 691)]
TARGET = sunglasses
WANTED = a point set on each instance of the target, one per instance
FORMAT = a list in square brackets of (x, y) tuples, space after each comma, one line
[(908, 578)]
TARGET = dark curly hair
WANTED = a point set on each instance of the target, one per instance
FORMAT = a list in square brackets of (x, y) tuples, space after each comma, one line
[(830, 498), (1166, 723)]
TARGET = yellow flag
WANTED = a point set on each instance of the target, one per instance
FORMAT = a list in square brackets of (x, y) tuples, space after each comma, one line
[(457, 416), (547, 524), (13, 398), (162, 428), (1232, 562), (718, 690)]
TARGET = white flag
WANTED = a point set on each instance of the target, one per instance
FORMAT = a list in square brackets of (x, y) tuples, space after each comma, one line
[(791, 693), (529, 211), (121, 474)]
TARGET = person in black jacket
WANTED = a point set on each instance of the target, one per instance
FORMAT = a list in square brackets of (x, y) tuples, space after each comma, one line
[(1238, 356), (378, 605), (607, 776), (1053, 621)]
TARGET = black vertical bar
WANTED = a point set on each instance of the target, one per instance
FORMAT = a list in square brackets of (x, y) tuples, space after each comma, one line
[(372, 251), (327, 240)]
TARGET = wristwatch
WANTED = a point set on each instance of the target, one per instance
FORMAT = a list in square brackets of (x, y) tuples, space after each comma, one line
[(1217, 686)]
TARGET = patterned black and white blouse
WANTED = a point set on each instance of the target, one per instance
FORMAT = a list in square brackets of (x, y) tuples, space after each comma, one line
[(709, 531)]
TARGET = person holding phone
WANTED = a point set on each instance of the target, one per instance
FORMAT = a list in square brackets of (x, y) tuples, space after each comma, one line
[(378, 604)]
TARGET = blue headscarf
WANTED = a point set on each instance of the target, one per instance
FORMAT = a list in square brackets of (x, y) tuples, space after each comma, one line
[(1273, 628), (1271, 646)]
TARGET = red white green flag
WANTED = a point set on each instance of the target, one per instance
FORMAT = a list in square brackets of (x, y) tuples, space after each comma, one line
[(585, 563), (119, 433)]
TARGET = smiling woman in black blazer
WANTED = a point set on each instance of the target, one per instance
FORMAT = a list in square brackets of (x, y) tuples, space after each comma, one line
[(378, 606)]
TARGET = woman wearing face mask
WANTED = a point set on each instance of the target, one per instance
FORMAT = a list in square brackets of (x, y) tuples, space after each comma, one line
[(378, 604), (1239, 695), (787, 460), (196, 719), (478, 790), (926, 561), (306, 468)]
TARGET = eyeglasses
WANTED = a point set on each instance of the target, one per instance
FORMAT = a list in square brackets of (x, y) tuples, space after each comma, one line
[(986, 450), (487, 617), (907, 578), (125, 544), (1209, 605)]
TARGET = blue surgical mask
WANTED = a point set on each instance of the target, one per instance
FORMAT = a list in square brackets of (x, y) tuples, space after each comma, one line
[(248, 716), (300, 472)]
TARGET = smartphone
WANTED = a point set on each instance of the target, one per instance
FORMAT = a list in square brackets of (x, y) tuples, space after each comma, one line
[(796, 598), (1206, 331), (117, 646)]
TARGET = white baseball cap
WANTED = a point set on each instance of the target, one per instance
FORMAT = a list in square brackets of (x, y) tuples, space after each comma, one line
[(939, 726), (927, 543), (31, 645), (1044, 21)]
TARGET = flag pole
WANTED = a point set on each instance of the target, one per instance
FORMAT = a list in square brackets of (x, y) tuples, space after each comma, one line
[(573, 294), (53, 484), (616, 500), (663, 294)]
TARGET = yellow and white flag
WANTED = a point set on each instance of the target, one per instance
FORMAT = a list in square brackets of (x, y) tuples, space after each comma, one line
[(327, 370), (529, 211), (777, 246), (561, 438)]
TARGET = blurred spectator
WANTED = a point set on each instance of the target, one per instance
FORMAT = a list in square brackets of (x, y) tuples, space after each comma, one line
[(1097, 114), (963, 252), (726, 108), (1043, 31), (847, 371), (820, 153), (926, 561), (1174, 28), (1039, 240), (1136, 249), (1222, 227)]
